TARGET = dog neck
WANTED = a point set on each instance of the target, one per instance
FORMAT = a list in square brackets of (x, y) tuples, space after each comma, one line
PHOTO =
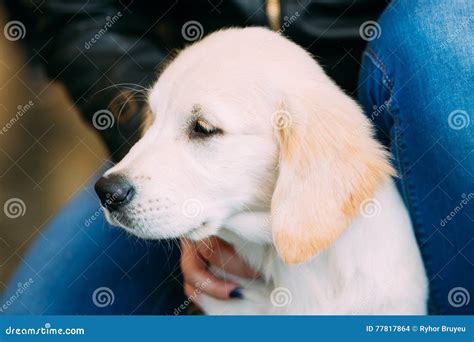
[(371, 232)]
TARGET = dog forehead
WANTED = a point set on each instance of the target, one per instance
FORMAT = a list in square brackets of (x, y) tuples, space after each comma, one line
[(231, 69), (223, 56)]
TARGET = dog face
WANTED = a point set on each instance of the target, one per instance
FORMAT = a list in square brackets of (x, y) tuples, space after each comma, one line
[(208, 153), (246, 120)]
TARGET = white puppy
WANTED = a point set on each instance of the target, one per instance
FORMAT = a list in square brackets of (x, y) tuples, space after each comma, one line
[(252, 142)]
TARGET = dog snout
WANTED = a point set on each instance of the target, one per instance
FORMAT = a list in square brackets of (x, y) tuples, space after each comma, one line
[(114, 191)]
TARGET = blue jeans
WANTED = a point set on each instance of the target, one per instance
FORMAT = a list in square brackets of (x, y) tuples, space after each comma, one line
[(415, 85), (82, 265)]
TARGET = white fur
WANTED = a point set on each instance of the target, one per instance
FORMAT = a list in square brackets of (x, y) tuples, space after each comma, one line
[(223, 186)]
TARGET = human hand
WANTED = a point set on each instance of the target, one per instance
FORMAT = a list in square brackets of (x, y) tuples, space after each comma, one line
[(195, 260)]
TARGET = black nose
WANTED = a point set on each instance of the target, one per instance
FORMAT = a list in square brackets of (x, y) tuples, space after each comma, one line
[(114, 191)]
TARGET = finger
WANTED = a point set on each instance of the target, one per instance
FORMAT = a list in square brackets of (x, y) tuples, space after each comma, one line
[(189, 290), (207, 247), (222, 255), (206, 282), (200, 279), (190, 258)]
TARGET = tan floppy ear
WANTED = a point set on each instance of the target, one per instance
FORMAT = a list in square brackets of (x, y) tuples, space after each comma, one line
[(329, 164)]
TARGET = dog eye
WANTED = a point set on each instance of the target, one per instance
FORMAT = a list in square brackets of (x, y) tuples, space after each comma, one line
[(202, 129)]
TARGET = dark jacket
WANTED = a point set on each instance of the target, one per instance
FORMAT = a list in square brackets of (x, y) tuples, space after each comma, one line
[(101, 50)]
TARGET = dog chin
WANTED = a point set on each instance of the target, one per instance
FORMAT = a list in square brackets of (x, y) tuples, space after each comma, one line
[(196, 233), (202, 232)]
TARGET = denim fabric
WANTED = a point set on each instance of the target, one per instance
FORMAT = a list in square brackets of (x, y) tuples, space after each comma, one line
[(416, 85), (82, 265)]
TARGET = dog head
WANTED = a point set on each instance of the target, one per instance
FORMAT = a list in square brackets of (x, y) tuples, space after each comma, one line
[(247, 120)]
